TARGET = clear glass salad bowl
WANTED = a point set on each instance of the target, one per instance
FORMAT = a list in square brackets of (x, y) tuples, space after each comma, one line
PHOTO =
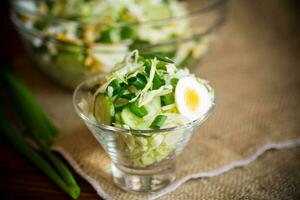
[(69, 49), (142, 160)]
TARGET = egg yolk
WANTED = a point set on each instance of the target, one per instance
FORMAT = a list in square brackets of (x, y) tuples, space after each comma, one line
[(192, 99)]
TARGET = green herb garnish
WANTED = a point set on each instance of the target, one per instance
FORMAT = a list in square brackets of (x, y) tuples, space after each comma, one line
[(158, 121), (167, 99), (138, 111)]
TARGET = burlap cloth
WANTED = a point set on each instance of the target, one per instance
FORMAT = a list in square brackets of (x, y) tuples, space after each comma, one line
[(255, 71)]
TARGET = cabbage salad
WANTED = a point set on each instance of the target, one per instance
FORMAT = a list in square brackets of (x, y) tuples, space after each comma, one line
[(149, 92), (96, 34)]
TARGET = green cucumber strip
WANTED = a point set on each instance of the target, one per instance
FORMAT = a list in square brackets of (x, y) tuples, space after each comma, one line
[(158, 121)]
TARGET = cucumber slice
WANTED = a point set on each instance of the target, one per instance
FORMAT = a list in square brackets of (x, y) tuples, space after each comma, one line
[(138, 123), (103, 109), (133, 121), (153, 108)]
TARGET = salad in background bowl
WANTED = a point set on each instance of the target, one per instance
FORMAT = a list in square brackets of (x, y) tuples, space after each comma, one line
[(71, 40), (143, 114)]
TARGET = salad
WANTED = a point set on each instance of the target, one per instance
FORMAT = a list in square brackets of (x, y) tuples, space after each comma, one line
[(94, 35), (148, 92)]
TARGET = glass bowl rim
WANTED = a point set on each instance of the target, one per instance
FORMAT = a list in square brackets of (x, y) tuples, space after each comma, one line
[(132, 131), (37, 34), (211, 6), (51, 39)]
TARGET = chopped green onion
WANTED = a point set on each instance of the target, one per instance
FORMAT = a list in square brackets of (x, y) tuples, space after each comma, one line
[(128, 96), (174, 82), (167, 99), (138, 111), (121, 92), (161, 65), (147, 64), (157, 82), (158, 121), (139, 81), (116, 86), (126, 32)]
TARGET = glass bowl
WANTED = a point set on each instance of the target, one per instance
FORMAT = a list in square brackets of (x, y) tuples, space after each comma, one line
[(142, 160), (186, 38)]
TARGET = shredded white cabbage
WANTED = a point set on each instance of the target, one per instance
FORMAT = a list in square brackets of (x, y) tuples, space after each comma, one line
[(149, 81), (147, 97)]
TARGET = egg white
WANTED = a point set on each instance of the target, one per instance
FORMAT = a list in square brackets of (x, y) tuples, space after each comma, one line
[(190, 83)]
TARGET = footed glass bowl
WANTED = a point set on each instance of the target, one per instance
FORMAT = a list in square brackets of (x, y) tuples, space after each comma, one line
[(71, 49), (142, 160)]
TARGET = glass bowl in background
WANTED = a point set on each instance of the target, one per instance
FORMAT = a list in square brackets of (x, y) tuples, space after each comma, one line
[(186, 39), (142, 160)]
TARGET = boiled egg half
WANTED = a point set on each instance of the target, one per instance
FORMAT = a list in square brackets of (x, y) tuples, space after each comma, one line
[(193, 99)]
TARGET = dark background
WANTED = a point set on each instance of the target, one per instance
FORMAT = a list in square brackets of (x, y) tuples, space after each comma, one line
[(19, 179)]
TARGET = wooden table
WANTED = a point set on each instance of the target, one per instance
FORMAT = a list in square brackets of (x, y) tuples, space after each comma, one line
[(19, 179)]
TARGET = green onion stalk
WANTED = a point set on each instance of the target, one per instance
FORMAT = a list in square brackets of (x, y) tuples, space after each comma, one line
[(31, 121)]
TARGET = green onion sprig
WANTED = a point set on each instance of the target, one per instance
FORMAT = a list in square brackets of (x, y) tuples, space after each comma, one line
[(31, 121), (20, 144)]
